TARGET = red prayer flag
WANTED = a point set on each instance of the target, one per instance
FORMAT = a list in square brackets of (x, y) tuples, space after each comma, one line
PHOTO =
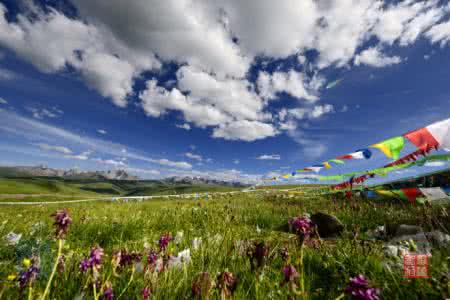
[(411, 194), (422, 139)]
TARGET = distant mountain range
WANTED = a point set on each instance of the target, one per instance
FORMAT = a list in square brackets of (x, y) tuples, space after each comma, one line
[(44, 171)]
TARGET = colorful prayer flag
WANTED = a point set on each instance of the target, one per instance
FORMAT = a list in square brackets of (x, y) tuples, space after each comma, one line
[(422, 139), (391, 147), (441, 133), (359, 154)]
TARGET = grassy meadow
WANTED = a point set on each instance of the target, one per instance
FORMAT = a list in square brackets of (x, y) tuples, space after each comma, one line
[(221, 233)]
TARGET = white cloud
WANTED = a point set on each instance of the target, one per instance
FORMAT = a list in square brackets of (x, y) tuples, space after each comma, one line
[(214, 44), (184, 126), (269, 157), (29, 129), (102, 131), (60, 149), (236, 161), (115, 163), (169, 163), (292, 83), (194, 156), (82, 156), (375, 58), (439, 33), (3, 101), (245, 130), (42, 113)]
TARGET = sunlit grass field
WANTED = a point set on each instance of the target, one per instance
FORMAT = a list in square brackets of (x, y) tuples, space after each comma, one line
[(221, 233)]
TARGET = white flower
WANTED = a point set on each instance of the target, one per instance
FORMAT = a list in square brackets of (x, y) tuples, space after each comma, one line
[(179, 237), (196, 242), (184, 257), (258, 230), (13, 238)]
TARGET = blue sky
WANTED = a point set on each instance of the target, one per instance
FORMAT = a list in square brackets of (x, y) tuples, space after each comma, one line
[(194, 88)]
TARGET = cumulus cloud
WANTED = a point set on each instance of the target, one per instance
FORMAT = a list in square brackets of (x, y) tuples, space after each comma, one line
[(375, 58), (102, 131), (439, 33), (269, 157), (60, 149), (293, 83), (194, 156), (214, 46), (115, 163), (184, 126), (82, 156), (245, 130)]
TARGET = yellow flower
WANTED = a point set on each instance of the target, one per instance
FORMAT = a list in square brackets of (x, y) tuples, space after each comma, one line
[(26, 262), (12, 277)]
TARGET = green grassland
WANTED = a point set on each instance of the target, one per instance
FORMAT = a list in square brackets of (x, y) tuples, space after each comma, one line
[(222, 223), (45, 187)]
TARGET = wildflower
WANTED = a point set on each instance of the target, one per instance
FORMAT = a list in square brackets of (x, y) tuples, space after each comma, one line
[(202, 286), (108, 294), (28, 276), (164, 241), (226, 282), (196, 242), (12, 277), (26, 262), (126, 259), (95, 258), (183, 257), (94, 261), (61, 264), (359, 289), (290, 274), (179, 237), (284, 254), (12, 238), (84, 265), (62, 222), (146, 292), (152, 258), (301, 226), (258, 253)]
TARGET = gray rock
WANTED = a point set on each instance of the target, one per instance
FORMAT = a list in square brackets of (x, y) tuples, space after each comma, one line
[(438, 239), (408, 230), (327, 225)]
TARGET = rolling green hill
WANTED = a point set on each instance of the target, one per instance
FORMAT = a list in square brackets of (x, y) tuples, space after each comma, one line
[(94, 187)]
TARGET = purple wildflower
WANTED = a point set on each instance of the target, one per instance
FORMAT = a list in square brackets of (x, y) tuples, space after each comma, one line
[(226, 282), (146, 292), (152, 259), (258, 253), (84, 265), (95, 258), (28, 276), (359, 289), (164, 241), (61, 264), (284, 254), (108, 294), (62, 222), (201, 286), (290, 274), (301, 226), (94, 261), (123, 258)]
